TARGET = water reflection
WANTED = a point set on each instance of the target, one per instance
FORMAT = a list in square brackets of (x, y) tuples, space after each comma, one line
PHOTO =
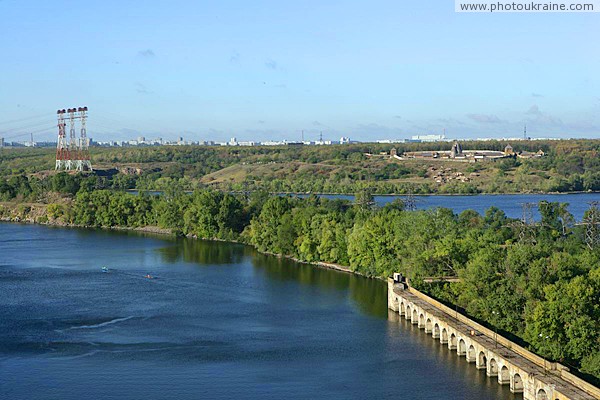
[(370, 295), (202, 252)]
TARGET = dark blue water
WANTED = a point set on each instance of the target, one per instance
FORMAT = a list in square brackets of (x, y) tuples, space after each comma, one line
[(219, 321)]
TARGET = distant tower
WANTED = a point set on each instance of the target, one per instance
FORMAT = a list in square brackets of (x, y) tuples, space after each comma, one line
[(525, 132), (321, 137), (84, 162), (73, 148), (62, 150), (592, 225), (74, 153), (527, 224)]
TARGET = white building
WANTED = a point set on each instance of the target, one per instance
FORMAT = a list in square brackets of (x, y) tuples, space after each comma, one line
[(429, 138)]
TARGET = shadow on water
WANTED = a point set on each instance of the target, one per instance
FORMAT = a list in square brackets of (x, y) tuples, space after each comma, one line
[(370, 295), (202, 252)]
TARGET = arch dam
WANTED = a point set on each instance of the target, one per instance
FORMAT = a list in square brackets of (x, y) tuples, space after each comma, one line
[(513, 365)]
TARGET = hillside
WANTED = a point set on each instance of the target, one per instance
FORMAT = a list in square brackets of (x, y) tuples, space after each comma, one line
[(568, 165)]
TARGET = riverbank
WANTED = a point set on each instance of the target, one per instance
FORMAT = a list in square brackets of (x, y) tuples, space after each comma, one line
[(432, 194), (38, 214)]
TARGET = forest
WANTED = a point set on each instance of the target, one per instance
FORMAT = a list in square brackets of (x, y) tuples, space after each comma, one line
[(568, 166), (539, 283)]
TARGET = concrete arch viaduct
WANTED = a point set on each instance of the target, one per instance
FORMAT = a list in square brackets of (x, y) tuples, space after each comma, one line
[(510, 363)]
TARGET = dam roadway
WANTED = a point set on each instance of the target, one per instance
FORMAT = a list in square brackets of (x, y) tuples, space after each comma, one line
[(513, 365)]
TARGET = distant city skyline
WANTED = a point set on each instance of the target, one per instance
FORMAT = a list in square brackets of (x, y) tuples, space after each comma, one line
[(267, 70)]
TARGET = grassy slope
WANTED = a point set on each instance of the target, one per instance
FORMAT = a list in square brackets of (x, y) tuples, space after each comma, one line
[(336, 166)]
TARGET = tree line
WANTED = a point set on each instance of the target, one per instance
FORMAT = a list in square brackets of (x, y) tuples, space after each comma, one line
[(568, 165)]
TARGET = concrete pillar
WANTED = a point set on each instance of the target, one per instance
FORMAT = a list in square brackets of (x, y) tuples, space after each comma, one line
[(516, 384), (503, 376), (444, 336), (428, 325), (451, 345)]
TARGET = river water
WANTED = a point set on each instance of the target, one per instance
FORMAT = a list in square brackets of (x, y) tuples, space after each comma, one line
[(218, 321), (511, 204)]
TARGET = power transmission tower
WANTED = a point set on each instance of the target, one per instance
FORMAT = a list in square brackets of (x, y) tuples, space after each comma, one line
[(527, 231), (72, 154), (62, 150), (592, 225), (525, 227), (84, 163), (73, 150), (410, 203)]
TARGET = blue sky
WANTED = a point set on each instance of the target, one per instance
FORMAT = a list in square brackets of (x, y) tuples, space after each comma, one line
[(269, 69)]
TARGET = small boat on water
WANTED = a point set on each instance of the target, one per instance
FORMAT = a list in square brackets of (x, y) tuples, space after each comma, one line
[(105, 269), (148, 276)]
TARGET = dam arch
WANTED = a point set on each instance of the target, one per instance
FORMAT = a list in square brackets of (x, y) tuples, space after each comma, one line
[(493, 368), (452, 342), (481, 361), (444, 336), (428, 326), (516, 384), (435, 333), (462, 348), (541, 395), (471, 354)]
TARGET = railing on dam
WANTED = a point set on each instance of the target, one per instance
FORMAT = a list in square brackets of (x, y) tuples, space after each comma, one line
[(412, 296)]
